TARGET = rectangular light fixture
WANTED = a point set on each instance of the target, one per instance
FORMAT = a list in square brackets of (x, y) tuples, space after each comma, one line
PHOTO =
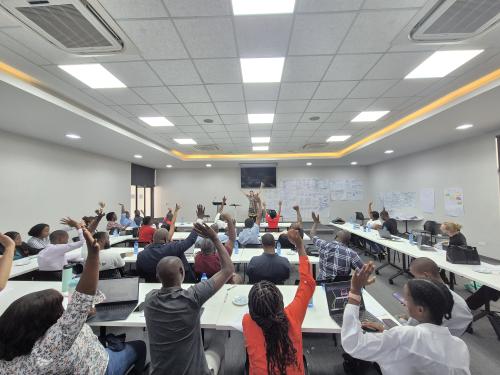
[(442, 63), (95, 76), (261, 148), (156, 121), (338, 138), (243, 7), (261, 139), (185, 141), (260, 118), (369, 116), (262, 69)]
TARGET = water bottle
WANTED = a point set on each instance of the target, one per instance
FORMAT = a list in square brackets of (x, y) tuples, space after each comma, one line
[(72, 287), (410, 238), (136, 247), (204, 276), (115, 232), (236, 248), (278, 247), (368, 227), (67, 275)]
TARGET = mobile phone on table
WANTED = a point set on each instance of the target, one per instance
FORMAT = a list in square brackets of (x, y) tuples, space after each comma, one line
[(399, 297)]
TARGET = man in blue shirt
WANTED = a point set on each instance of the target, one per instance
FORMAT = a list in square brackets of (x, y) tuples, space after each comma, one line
[(125, 219), (251, 234)]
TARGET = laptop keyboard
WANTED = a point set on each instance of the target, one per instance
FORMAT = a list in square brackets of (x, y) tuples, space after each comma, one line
[(118, 308), (364, 316)]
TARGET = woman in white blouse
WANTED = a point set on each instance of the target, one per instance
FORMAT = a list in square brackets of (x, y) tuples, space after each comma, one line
[(37, 336), (427, 348), (39, 237)]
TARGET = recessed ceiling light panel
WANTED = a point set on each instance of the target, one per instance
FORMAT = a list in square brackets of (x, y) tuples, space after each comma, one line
[(261, 139), (388, 151), (338, 138), (267, 69), (464, 126), (260, 118), (73, 136), (261, 148), (442, 63), (369, 116), (138, 156), (156, 121), (245, 7), (185, 141), (93, 75)]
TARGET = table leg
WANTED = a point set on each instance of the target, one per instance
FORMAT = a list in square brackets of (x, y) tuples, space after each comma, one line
[(388, 263), (402, 271), (452, 280)]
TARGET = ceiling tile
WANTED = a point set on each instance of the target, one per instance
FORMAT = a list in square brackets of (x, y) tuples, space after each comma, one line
[(227, 92), (190, 94), (263, 35), (207, 37), (397, 65), (358, 105), (155, 95), (287, 117), (134, 8), (140, 110), (334, 90), (409, 87), (261, 91), (134, 73), (327, 127), (200, 108), (302, 90), (390, 104), (291, 106), (305, 68), (373, 31), (120, 110), (338, 117), (285, 126), (241, 127), (214, 128), (230, 108), (176, 72), (350, 67), (192, 129), (260, 106), (97, 95), (387, 4), (156, 39), (189, 8), (183, 121), (219, 70), (6, 20), (122, 96), (322, 105), (171, 109), (319, 33), (305, 6), (310, 127), (234, 119), (372, 88)]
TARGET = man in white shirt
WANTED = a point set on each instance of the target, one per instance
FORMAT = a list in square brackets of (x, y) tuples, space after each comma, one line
[(250, 235), (461, 316), (374, 222), (54, 257), (108, 260)]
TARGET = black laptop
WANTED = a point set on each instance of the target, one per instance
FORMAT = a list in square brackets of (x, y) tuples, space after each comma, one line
[(337, 295), (122, 296), (424, 243)]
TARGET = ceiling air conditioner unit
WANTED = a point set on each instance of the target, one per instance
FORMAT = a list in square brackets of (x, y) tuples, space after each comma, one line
[(76, 26), (456, 20)]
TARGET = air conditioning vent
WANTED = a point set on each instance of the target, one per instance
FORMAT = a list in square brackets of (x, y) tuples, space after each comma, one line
[(75, 26), (206, 147), (314, 146), (454, 20)]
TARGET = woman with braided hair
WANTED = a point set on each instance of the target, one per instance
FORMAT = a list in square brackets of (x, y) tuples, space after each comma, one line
[(273, 333), (427, 348)]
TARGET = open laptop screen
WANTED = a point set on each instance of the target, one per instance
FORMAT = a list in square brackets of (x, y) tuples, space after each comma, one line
[(120, 290)]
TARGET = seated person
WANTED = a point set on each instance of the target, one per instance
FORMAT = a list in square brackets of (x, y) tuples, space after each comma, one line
[(22, 248), (125, 219), (273, 333), (374, 221), (39, 237), (427, 348), (173, 314), (283, 238), (110, 263), (461, 317), (273, 217), (113, 226), (336, 259), (53, 257), (452, 230), (222, 236), (137, 218), (147, 230), (250, 235), (389, 223), (38, 336), (163, 246), (268, 266)]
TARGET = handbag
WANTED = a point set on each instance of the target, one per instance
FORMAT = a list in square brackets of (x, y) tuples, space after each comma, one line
[(462, 255)]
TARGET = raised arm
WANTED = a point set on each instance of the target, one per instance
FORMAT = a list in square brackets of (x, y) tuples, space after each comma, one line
[(172, 224), (259, 211), (243, 191), (221, 207), (122, 208), (260, 188), (299, 216), (90, 275), (6, 259), (280, 203), (73, 245), (227, 267), (97, 219), (370, 209), (231, 230), (315, 225), (200, 212)]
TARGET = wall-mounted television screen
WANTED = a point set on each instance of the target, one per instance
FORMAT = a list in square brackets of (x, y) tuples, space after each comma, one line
[(253, 176)]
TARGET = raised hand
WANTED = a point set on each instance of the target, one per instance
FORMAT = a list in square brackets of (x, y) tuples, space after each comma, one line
[(362, 277), (296, 207), (315, 218), (7, 242), (226, 217), (205, 231), (177, 207), (92, 243), (224, 199), (200, 211), (280, 203), (294, 237), (70, 222)]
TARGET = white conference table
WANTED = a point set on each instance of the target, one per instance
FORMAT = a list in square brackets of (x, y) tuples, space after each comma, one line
[(188, 225), (439, 256), (219, 311), (30, 264), (179, 236)]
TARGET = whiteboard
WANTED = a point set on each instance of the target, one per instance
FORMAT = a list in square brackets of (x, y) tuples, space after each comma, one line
[(393, 201)]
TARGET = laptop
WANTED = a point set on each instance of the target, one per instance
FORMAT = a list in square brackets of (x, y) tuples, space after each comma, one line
[(337, 296), (422, 245), (122, 296), (385, 234)]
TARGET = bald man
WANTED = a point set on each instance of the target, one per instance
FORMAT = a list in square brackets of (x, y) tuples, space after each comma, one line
[(173, 313), (336, 259), (461, 316)]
